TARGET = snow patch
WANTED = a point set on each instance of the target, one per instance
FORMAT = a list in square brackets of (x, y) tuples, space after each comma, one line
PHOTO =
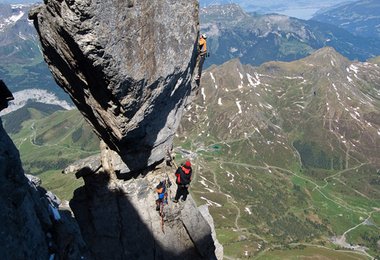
[(239, 106), (233, 49), (220, 101), (298, 77), (211, 203), (203, 93), (354, 68), (231, 175), (203, 183), (15, 18), (254, 81), (336, 91), (212, 77)]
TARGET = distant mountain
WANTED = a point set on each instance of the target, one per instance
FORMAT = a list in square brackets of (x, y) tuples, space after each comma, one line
[(21, 62), (288, 154), (255, 39), (361, 18), (19, 1), (296, 8)]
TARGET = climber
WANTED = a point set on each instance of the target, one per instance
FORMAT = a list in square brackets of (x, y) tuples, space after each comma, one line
[(162, 194), (183, 179), (202, 52)]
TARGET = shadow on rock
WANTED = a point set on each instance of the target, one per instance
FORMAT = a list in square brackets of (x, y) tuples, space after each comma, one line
[(118, 220)]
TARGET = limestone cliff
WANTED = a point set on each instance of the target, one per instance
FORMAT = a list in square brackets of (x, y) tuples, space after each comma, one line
[(127, 66)]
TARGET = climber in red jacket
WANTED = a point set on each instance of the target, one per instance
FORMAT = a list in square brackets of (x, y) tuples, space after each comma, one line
[(183, 179)]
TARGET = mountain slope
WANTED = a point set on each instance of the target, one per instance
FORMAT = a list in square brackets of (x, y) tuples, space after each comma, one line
[(260, 38), (13, 122), (49, 141), (287, 153), (361, 18), (21, 62)]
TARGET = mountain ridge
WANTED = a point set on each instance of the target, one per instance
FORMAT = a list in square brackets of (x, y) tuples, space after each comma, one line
[(21, 62), (260, 38), (360, 17)]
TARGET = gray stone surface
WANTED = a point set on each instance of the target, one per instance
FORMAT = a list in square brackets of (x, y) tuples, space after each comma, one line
[(127, 66), (119, 220), (203, 209), (26, 218)]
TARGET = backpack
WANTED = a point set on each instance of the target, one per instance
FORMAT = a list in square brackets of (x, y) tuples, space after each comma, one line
[(161, 188), (183, 175)]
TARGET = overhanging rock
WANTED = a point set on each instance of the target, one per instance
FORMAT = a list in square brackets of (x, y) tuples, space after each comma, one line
[(127, 66)]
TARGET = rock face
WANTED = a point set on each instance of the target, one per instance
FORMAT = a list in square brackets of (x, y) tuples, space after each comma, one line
[(127, 66), (119, 220), (31, 225)]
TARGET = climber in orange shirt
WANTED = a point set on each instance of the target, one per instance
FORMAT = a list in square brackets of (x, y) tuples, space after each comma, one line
[(202, 52)]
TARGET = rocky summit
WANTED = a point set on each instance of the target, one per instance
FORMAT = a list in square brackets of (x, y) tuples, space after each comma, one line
[(126, 65)]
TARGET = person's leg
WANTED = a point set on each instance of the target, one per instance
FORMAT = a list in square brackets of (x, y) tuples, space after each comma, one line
[(185, 192), (158, 201), (200, 65), (177, 194)]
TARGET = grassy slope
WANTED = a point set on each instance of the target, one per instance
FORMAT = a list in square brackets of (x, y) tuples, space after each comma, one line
[(49, 144), (262, 194)]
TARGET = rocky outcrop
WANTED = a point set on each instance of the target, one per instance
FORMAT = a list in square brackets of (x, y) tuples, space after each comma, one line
[(118, 218), (127, 66), (203, 209), (31, 224)]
